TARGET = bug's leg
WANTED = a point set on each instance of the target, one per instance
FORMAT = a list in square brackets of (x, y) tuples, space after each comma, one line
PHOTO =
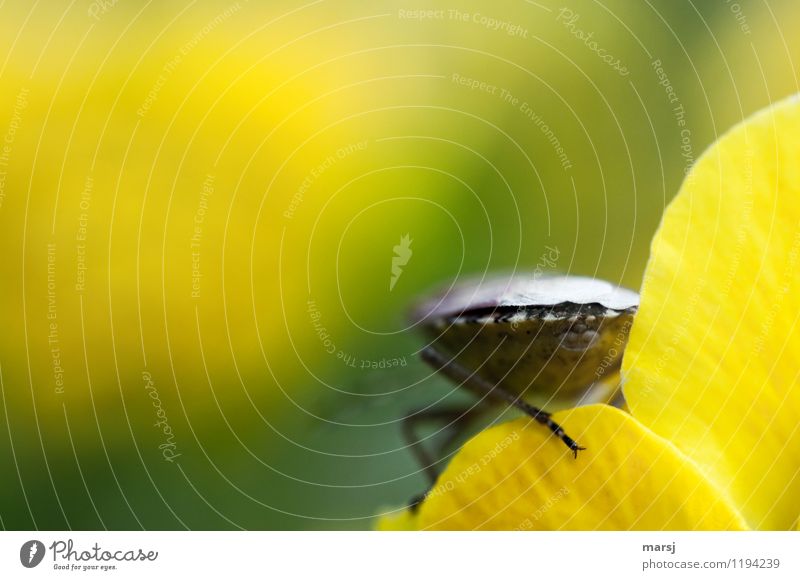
[(461, 375), (414, 420), (456, 419)]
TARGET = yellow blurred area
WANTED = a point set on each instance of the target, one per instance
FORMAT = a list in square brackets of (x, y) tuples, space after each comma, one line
[(201, 199)]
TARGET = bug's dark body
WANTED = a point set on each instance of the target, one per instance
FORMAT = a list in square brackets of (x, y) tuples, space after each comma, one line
[(552, 355)]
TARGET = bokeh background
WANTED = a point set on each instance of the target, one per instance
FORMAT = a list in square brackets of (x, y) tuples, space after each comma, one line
[(200, 201)]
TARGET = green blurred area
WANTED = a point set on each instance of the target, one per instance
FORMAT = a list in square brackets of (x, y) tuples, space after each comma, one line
[(208, 194)]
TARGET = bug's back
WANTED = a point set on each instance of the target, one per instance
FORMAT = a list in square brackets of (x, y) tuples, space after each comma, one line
[(552, 338)]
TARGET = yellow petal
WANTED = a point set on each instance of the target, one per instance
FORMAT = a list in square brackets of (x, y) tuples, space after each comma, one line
[(518, 476), (397, 521), (714, 354)]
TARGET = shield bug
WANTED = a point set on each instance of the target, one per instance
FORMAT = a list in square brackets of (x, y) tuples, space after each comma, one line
[(528, 342)]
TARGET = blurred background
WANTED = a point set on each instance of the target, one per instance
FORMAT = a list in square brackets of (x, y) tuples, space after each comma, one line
[(201, 202)]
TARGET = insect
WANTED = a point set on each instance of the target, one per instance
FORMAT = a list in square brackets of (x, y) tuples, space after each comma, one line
[(523, 341)]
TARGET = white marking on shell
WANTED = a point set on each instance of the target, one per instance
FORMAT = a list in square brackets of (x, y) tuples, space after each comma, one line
[(525, 291), (518, 317)]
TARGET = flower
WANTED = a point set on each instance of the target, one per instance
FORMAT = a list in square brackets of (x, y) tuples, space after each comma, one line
[(711, 375)]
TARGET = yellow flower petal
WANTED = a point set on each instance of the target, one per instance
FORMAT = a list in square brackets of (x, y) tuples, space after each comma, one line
[(399, 521), (714, 355), (518, 476)]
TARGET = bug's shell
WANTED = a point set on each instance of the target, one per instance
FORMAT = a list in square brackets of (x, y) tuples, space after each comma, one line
[(553, 339)]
